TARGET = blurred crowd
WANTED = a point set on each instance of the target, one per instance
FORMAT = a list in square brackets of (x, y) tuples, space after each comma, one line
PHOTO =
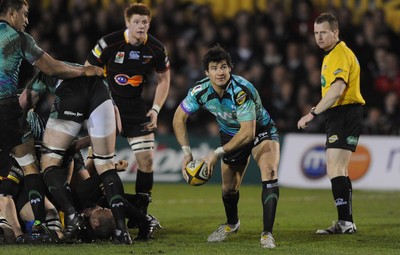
[(272, 49)]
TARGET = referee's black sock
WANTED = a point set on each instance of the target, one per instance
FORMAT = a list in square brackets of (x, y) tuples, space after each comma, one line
[(341, 194), (114, 191), (350, 198), (269, 196), (35, 187), (231, 207)]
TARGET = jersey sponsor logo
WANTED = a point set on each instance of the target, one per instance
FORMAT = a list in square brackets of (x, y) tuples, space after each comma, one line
[(97, 51), (102, 43), (323, 81), (119, 58), (333, 138), (186, 106), (123, 79), (338, 71), (352, 140), (195, 90), (241, 97), (134, 55), (147, 59), (224, 115)]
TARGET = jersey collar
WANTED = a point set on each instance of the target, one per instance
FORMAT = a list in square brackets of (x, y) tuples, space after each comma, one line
[(329, 51)]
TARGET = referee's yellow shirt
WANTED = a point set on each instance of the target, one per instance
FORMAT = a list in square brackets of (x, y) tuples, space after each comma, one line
[(341, 63)]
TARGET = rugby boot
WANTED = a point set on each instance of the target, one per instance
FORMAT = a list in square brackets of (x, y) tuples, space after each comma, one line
[(123, 238), (72, 227)]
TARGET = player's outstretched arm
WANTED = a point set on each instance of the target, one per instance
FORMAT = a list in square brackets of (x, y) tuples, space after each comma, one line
[(59, 69)]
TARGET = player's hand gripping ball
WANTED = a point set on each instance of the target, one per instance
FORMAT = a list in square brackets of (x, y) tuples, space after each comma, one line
[(197, 172)]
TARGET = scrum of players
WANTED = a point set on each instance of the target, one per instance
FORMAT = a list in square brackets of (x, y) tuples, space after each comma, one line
[(87, 191)]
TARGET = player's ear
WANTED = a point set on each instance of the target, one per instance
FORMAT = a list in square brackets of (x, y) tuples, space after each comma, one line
[(95, 223)]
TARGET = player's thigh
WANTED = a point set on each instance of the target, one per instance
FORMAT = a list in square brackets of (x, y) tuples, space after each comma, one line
[(143, 147), (267, 156), (337, 162), (102, 128), (58, 137), (232, 176)]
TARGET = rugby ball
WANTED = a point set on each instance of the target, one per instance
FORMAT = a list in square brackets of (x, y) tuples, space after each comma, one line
[(197, 172)]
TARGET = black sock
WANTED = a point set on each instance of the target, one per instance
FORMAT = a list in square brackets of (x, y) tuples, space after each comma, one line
[(269, 199), (144, 182), (341, 195), (350, 198), (35, 187), (114, 193), (89, 191), (134, 213), (231, 207), (55, 179)]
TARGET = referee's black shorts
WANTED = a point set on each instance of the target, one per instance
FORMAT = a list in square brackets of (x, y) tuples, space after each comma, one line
[(343, 126)]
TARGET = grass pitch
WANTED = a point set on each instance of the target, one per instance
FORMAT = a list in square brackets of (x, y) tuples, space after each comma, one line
[(189, 214)]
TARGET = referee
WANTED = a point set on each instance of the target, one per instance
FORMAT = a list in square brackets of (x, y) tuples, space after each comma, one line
[(342, 105)]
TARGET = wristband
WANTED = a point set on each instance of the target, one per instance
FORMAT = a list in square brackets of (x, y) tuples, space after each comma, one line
[(312, 111), (186, 150), (219, 151), (156, 108)]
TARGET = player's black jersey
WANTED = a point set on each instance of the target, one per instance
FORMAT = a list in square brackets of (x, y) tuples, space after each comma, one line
[(128, 66)]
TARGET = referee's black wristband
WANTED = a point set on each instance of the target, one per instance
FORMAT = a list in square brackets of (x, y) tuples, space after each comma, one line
[(312, 111)]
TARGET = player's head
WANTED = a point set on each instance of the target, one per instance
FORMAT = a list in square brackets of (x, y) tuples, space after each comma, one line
[(216, 54), (329, 18), (137, 8), (217, 65), (15, 12), (137, 20), (326, 31), (102, 222)]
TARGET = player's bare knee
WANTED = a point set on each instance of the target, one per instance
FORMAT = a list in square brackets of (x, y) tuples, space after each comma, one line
[(229, 192)]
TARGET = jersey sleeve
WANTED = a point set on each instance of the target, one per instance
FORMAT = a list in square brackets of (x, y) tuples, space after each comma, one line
[(340, 67), (41, 82), (162, 63), (96, 56), (190, 104), (29, 48), (246, 107)]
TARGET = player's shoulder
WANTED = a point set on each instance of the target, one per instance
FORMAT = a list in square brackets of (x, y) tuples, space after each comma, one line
[(239, 83), (200, 87), (242, 89), (112, 39), (154, 43)]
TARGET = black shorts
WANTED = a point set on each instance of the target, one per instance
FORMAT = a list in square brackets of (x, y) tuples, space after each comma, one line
[(133, 116), (14, 129), (77, 98), (343, 126), (240, 156)]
